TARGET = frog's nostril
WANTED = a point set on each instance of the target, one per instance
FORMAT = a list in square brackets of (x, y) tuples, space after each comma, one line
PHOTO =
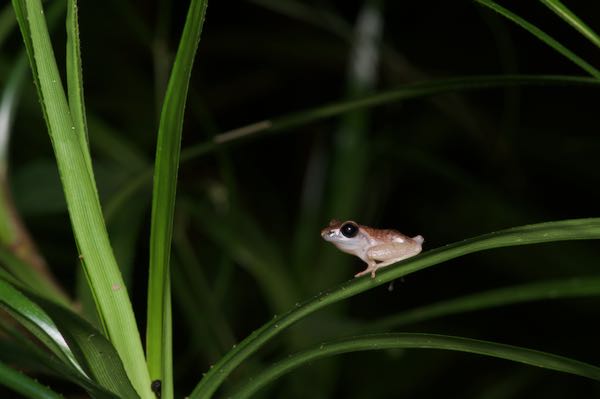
[(326, 233)]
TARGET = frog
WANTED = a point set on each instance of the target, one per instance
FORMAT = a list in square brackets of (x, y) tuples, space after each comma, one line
[(376, 247)]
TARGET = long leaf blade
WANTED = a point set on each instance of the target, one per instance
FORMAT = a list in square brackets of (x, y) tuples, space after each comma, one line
[(568, 16), (287, 122), (72, 156), (571, 288), (158, 337), (26, 386), (421, 341), (576, 229), (74, 76), (37, 321), (411, 91), (537, 32), (92, 350)]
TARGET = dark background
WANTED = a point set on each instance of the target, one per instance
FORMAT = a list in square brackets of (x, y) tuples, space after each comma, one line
[(448, 168)]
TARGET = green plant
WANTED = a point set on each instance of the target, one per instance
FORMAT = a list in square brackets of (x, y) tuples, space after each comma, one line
[(97, 346)]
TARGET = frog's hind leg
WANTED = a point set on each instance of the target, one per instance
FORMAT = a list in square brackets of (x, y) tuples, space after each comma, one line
[(386, 254), (371, 267)]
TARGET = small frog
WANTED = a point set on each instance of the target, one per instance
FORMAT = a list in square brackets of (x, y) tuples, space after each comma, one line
[(377, 247)]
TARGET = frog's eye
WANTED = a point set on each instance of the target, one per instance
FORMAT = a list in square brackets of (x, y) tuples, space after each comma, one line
[(349, 229)]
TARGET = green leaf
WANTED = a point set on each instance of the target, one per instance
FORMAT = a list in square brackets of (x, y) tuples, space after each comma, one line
[(75, 170), (38, 179), (570, 288), (38, 323), (576, 229), (420, 341), (568, 16), (8, 107), (537, 32), (92, 350), (349, 158), (7, 23), (409, 91), (75, 78), (32, 356), (197, 300), (242, 239), (13, 235), (158, 337), (24, 385), (114, 145), (85, 352), (30, 277), (298, 119)]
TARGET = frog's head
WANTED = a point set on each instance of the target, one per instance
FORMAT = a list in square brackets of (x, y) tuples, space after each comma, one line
[(347, 236)]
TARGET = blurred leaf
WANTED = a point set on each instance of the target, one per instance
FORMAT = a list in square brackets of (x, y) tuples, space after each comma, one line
[(309, 14), (194, 318), (576, 229), (72, 155), (244, 241), (197, 298), (38, 179), (409, 91), (569, 288), (31, 278), (402, 70), (24, 385), (7, 23), (298, 119), (8, 106), (542, 36), (115, 146), (158, 337), (349, 160), (421, 341), (346, 164), (18, 252), (568, 16)]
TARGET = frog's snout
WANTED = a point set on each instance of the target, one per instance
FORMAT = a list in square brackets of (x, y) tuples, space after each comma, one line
[(326, 233)]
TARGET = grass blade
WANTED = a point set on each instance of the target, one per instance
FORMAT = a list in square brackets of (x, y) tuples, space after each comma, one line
[(103, 274), (568, 16), (85, 355), (202, 306), (29, 277), (23, 260), (92, 350), (576, 229), (410, 91), (17, 350), (295, 120), (8, 107), (348, 163), (421, 341), (537, 32), (75, 79), (7, 23), (572, 288), (24, 385), (163, 200), (37, 321), (244, 241)]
